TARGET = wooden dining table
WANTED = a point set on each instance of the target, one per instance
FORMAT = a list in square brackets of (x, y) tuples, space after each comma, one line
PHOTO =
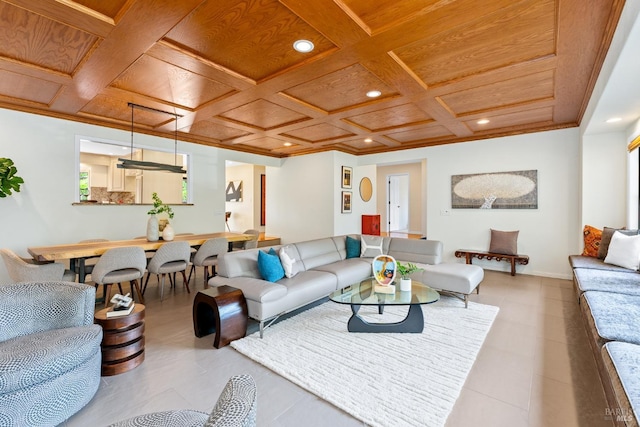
[(78, 253)]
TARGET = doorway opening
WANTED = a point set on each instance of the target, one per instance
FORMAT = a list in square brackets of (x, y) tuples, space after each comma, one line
[(398, 203)]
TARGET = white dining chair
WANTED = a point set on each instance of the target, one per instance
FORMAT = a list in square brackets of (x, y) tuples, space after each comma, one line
[(207, 256), (119, 265), (21, 270), (170, 258)]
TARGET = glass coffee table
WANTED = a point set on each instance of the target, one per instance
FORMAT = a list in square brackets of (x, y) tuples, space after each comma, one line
[(363, 294)]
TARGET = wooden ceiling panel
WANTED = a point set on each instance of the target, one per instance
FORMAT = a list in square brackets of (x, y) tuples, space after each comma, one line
[(208, 129), (174, 85), (229, 68), (263, 114), (342, 89), (266, 143), (389, 118), (381, 15), (359, 144), (32, 39), (476, 48), (109, 8), (526, 89), (318, 133), (27, 88), (537, 115), (118, 110), (420, 134), (251, 37)]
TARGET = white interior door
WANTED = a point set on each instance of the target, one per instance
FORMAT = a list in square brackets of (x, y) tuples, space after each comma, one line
[(398, 202)]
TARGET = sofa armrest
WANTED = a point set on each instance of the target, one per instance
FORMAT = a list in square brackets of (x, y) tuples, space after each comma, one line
[(257, 290), (30, 307)]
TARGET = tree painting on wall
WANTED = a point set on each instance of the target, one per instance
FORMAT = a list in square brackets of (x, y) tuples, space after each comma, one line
[(234, 191), (496, 190)]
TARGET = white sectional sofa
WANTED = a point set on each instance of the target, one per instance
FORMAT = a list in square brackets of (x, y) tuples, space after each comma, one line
[(322, 266)]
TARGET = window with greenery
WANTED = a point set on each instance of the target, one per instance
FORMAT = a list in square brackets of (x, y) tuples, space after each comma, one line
[(84, 186)]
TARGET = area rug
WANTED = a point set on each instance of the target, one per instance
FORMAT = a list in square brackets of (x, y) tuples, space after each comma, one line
[(383, 380)]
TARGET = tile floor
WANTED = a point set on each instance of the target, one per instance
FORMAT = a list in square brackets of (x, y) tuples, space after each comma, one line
[(535, 368)]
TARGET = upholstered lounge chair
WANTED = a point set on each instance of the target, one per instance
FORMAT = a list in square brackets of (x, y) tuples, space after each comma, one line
[(236, 407), (20, 270), (49, 352)]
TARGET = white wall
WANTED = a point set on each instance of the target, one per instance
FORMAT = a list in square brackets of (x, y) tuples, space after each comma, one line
[(301, 197), (604, 177), (547, 234), (43, 150), (245, 214)]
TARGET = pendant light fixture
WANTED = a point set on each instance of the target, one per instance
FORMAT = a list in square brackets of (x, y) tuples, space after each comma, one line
[(152, 166)]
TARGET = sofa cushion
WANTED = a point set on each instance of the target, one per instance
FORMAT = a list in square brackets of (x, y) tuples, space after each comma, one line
[(317, 252), (416, 251), (459, 278), (353, 247), (622, 363), (612, 317), (270, 266), (349, 271), (621, 282), (624, 251), (290, 260), (607, 234), (253, 289), (504, 242), (371, 246), (592, 237), (579, 261), (27, 360)]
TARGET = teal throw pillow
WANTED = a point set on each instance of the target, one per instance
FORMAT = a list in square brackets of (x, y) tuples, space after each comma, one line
[(353, 247), (269, 266)]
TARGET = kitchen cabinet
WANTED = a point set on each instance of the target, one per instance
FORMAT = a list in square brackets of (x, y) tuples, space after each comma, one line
[(115, 176)]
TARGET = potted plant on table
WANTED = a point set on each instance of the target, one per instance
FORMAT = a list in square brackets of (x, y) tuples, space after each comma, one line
[(153, 230), (405, 270)]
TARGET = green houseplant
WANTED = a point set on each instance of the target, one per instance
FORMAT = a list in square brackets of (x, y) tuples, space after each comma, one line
[(405, 270), (9, 181), (153, 228), (160, 207)]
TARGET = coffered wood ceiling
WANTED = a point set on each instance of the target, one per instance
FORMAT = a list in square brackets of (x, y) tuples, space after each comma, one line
[(229, 68)]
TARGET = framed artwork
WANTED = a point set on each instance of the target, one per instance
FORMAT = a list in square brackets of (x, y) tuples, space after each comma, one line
[(234, 191), (496, 190), (347, 173), (346, 201)]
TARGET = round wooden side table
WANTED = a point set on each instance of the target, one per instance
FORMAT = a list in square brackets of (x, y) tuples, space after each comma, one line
[(122, 340)]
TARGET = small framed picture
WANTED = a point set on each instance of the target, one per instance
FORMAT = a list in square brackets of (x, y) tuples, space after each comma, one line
[(346, 202), (347, 174)]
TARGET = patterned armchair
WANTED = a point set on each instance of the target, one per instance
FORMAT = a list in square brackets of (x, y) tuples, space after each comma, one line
[(49, 352), (236, 407)]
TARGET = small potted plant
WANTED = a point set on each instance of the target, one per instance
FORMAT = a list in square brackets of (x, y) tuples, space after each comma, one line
[(153, 230), (405, 270)]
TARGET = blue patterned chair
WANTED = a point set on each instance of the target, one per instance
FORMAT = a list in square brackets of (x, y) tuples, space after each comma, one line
[(49, 352), (236, 407)]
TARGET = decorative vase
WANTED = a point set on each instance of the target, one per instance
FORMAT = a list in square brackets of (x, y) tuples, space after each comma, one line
[(405, 285), (168, 233), (152, 229)]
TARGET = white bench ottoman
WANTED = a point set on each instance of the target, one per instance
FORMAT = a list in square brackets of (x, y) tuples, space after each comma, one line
[(457, 279)]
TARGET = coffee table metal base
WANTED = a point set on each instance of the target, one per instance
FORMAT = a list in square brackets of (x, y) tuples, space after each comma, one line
[(413, 323)]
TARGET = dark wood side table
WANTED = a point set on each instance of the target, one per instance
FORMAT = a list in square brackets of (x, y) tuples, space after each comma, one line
[(122, 340), (222, 310)]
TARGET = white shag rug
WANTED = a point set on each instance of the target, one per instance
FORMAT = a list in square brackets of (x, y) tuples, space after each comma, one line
[(383, 380)]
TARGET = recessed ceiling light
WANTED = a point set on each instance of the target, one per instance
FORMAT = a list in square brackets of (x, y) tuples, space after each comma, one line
[(287, 144), (303, 46), (614, 119), (483, 121), (368, 140), (374, 93)]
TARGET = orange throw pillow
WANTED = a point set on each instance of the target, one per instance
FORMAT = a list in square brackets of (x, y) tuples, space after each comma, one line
[(592, 237)]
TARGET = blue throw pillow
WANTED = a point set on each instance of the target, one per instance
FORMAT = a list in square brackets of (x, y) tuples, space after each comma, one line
[(269, 266), (353, 247)]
